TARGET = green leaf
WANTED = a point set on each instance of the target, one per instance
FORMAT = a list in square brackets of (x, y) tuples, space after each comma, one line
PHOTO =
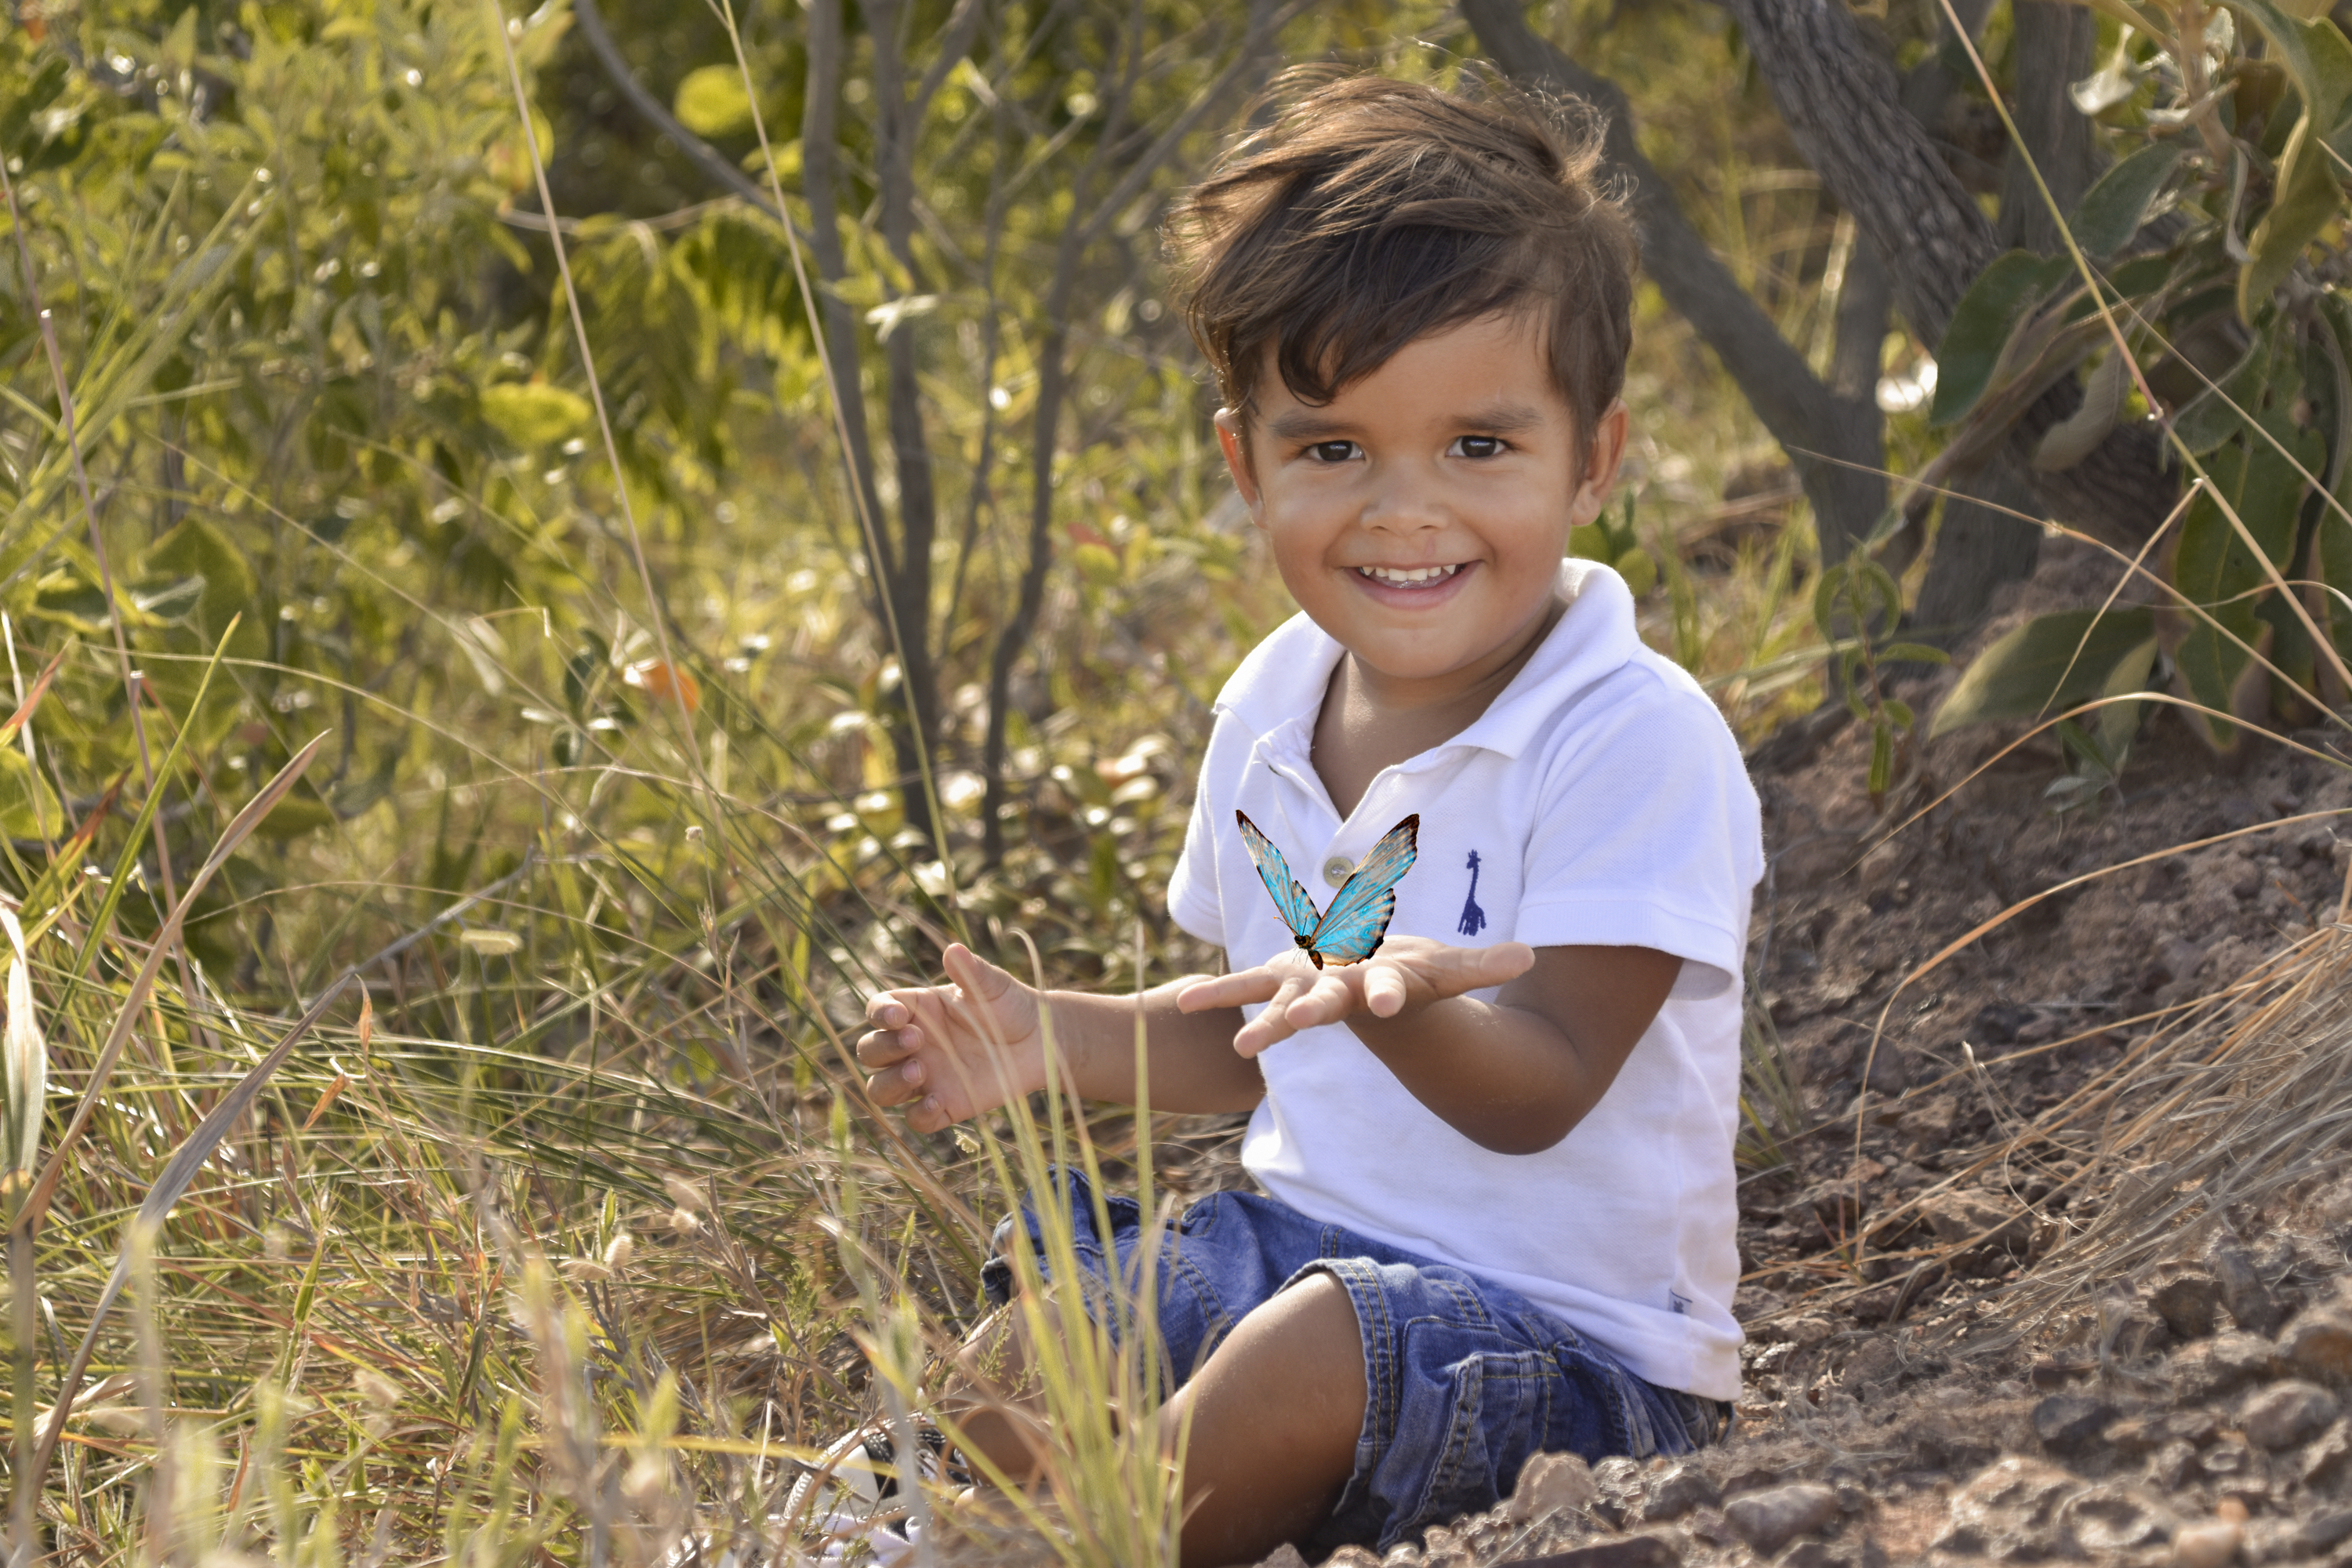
[(711, 102), (28, 806), (1912, 653), (533, 414), (194, 548), (2309, 196), (2045, 666), (2112, 210), (2220, 412), (1982, 326), (2119, 722), (294, 816), (1640, 570), (2214, 569), (2315, 54)]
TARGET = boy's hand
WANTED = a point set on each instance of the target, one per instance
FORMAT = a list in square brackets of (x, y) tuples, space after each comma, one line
[(1408, 972), (958, 1049)]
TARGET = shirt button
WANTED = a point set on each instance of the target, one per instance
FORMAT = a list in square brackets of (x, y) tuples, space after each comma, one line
[(1337, 870)]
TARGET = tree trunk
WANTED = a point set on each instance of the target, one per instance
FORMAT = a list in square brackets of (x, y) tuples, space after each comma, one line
[(1978, 548), (1842, 104)]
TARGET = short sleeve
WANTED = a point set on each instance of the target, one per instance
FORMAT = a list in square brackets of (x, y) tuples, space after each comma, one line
[(1647, 834), (1193, 900)]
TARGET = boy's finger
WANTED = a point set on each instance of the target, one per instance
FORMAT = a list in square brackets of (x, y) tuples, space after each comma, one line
[(1384, 990), (886, 1011), (1228, 990), (882, 1048)]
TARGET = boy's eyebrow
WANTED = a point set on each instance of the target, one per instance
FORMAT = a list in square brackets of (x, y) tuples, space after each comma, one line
[(1316, 424)]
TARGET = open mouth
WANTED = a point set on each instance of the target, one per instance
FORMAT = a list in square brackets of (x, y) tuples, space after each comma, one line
[(1408, 576)]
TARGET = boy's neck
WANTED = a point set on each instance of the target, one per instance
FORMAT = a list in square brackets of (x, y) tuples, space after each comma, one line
[(1369, 721)]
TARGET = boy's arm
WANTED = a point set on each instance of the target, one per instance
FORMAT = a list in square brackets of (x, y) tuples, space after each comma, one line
[(952, 1052), (1513, 1075)]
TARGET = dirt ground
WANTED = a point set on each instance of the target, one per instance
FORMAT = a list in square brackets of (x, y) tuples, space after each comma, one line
[(2189, 1411)]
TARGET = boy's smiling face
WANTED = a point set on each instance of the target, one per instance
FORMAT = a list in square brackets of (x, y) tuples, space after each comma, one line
[(1420, 516)]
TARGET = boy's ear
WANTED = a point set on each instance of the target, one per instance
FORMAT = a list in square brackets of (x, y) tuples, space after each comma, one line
[(1234, 441), (1602, 455)]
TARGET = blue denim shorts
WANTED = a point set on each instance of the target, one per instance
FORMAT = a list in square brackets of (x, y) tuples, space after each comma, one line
[(1466, 1379)]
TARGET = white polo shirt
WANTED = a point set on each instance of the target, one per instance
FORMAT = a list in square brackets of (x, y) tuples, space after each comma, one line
[(1601, 799)]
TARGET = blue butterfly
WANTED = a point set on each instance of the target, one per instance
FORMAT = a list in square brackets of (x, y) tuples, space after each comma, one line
[(1352, 928)]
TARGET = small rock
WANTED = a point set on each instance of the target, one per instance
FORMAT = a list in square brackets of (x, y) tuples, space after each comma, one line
[(2190, 1303), (2170, 1467), (1678, 1492), (2320, 1532), (2318, 1344), (1404, 1554), (2243, 1292), (1549, 1483), (2325, 1455), (1809, 1329), (1768, 1521), (1874, 1305), (1353, 1557), (1890, 1069), (2228, 1460), (2192, 1426), (1875, 1362), (2113, 1517), (2066, 1421), (1284, 1556), (1977, 1218), (1999, 1023), (2286, 1413), (2205, 1369), (2207, 1545), (2009, 1510), (2134, 1434), (1629, 1552), (1930, 1123), (2139, 1333)]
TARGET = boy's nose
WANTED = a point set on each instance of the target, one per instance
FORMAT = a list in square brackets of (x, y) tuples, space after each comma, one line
[(1403, 501)]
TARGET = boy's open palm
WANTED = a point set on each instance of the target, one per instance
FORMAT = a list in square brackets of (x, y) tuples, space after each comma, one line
[(1408, 972), (952, 1052)]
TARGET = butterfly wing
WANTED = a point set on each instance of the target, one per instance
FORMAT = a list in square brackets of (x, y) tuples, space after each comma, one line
[(1352, 928), (1297, 908)]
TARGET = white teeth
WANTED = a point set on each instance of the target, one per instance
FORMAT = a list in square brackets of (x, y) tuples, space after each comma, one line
[(1403, 578)]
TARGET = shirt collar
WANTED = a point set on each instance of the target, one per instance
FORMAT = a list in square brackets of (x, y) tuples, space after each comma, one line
[(1283, 679)]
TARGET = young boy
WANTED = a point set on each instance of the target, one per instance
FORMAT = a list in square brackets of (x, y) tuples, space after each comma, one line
[(1498, 1150)]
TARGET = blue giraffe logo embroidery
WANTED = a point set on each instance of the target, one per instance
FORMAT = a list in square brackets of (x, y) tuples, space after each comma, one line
[(1474, 919)]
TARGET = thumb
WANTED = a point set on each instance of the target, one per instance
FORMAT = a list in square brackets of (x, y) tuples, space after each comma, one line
[(981, 981)]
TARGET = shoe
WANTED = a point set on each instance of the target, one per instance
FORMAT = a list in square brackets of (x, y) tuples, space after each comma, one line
[(858, 1477)]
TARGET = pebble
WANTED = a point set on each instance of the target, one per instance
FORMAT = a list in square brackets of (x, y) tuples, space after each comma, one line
[(1629, 1551), (2207, 1545), (2070, 1420), (2250, 1303), (2189, 1303), (1678, 1492), (2285, 1414), (1548, 1484), (1768, 1521), (2319, 1343), (2113, 1517), (2319, 1533)]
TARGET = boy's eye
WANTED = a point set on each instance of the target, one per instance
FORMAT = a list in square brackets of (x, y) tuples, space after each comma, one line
[(1478, 447), (1331, 451)]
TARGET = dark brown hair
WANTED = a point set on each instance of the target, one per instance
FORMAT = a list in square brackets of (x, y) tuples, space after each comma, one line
[(1369, 211)]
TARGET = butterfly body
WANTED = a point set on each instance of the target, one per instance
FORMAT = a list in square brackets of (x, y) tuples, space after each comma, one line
[(1351, 930)]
